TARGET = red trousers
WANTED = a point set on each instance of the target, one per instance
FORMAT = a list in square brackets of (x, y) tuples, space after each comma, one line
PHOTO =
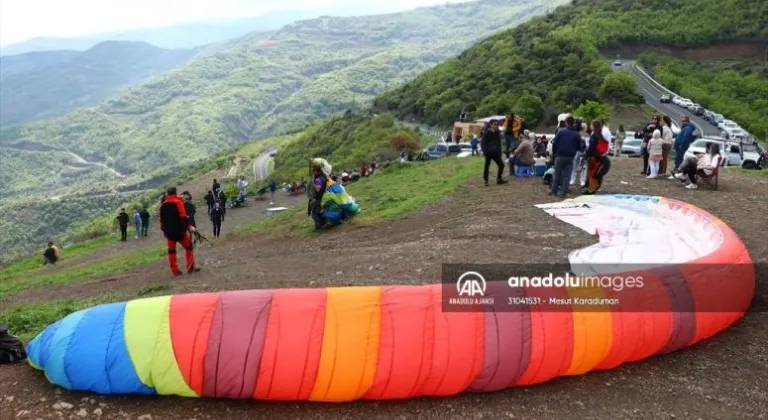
[(189, 253)]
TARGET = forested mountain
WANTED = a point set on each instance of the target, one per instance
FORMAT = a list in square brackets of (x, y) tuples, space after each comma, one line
[(44, 84), (194, 34), (553, 61), (247, 89)]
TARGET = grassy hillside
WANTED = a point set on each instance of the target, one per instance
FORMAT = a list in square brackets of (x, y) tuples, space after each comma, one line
[(736, 88), (248, 89), (45, 84), (555, 57)]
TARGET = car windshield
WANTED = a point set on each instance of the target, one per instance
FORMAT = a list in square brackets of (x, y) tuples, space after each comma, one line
[(633, 142)]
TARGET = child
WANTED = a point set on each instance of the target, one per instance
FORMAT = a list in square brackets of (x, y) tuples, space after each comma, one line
[(655, 153)]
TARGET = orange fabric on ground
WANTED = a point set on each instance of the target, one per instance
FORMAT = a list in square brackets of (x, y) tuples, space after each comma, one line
[(458, 354), (551, 338), (407, 313), (292, 345), (350, 344), (190, 325), (592, 331)]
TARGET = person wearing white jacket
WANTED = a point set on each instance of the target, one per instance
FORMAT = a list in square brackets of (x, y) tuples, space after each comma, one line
[(667, 138)]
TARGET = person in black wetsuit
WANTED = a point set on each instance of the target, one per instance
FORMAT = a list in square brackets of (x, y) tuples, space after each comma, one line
[(217, 216), (122, 220), (189, 207), (491, 146)]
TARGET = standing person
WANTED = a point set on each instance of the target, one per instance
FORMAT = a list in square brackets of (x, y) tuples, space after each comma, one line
[(655, 153), (176, 228), (137, 222), (321, 172), (647, 134), (491, 145), (242, 187), (667, 138), (216, 187), (682, 142), (51, 254), (620, 136), (511, 128), (402, 159), (217, 216), (210, 200), (598, 163), (144, 222), (122, 220), (272, 189), (374, 166), (473, 145), (580, 159), (221, 197), (606, 131), (189, 207), (565, 145)]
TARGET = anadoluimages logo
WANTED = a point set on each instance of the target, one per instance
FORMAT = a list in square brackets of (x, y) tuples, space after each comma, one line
[(471, 284)]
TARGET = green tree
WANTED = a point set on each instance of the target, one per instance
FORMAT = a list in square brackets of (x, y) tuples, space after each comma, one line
[(530, 107), (619, 87), (592, 110)]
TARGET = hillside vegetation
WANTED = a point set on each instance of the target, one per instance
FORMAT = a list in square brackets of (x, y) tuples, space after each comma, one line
[(45, 84), (737, 89), (555, 58)]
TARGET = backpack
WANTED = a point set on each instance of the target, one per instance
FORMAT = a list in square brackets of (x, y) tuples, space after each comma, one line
[(11, 348), (172, 226)]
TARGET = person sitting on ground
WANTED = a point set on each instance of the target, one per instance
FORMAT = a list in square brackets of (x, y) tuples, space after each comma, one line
[(345, 178), (176, 227), (51, 254), (522, 156), (706, 163), (540, 146)]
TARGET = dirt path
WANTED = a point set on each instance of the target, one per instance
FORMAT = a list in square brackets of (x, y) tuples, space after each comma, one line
[(722, 378)]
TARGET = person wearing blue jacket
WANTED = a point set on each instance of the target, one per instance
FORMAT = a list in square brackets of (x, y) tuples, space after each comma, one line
[(683, 140), (566, 143)]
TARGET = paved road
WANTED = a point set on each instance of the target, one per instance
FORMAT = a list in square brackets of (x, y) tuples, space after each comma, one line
[(652, 94), (261, 166)]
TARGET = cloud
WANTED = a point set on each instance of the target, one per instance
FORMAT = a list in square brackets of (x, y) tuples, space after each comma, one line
[(24, 19)]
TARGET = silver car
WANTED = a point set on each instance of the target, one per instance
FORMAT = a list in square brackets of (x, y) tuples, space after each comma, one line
[(632, 147)]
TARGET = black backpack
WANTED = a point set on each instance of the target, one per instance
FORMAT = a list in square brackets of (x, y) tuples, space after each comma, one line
[(172, 225), (11, 348)]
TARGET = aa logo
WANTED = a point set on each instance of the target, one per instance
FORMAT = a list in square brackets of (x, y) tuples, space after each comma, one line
[(471, 284)]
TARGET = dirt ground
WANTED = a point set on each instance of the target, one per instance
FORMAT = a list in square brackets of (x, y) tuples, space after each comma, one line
[(721, 378)]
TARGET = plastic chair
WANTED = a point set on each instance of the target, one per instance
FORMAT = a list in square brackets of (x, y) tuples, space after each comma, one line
[(525, 171)]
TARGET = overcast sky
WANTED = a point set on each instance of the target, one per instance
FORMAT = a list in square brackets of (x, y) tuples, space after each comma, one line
[(24, 19)]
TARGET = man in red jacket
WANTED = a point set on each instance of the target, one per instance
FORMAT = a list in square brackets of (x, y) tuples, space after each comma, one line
[(175, 225)]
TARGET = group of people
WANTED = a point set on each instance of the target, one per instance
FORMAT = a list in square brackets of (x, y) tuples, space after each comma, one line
[(140, 222), (658, 142), (579, 148)]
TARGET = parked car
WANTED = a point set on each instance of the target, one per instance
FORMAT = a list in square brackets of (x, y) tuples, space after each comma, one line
[(685, 103), (617, 63), (441, 150), (717, 119), (728, 125), (751, 154), (676, 100), (697, 109), (632, 148), (665, 99), (708, 115)]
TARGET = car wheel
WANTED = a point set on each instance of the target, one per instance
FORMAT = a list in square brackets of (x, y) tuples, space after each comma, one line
[(749, 165)]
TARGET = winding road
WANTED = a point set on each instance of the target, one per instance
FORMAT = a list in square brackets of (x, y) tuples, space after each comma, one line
[(261, 166), (652, 94)]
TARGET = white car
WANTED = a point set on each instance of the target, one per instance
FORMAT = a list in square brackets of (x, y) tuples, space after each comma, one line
[(632, 147), (685, 103), (728, 125)]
